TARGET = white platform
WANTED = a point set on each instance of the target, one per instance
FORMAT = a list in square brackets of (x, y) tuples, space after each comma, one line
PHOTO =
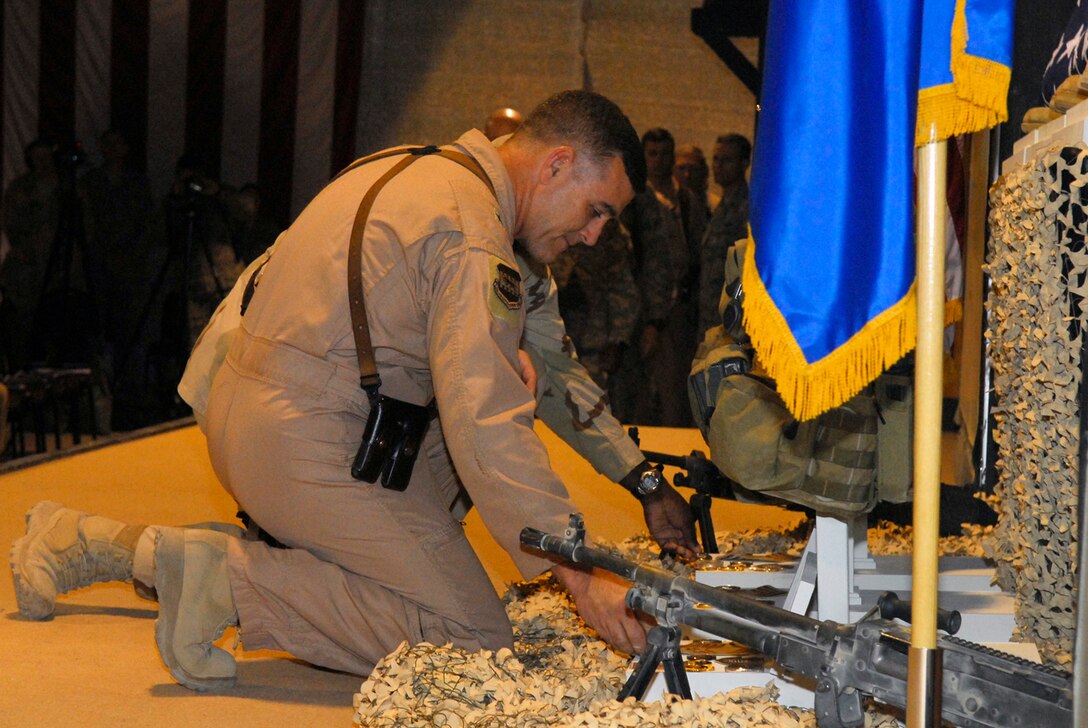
[(964, 584)]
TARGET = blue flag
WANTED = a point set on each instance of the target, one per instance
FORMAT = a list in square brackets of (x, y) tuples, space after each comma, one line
[(848, 88)]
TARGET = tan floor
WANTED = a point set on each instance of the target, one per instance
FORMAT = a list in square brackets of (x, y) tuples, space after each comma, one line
[(95, 664)]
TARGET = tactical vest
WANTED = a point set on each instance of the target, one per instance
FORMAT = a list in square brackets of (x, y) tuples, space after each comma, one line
[(840, 462)]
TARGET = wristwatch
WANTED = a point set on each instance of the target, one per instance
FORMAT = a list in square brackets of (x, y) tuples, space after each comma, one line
[(649, 483)]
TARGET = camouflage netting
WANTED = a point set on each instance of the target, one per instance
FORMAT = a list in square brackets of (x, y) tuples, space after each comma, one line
[(560, 674), (891, 539), (1037, 263)]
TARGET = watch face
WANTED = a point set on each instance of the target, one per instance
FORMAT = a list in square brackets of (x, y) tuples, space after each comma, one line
[(649, 482)]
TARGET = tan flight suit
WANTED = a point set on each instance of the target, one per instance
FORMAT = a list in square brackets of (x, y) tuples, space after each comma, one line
[(570, 403), (371, 567)]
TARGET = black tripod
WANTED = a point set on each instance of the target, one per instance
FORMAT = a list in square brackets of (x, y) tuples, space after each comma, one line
[(662, 648), (187, 215), (67, 317), (61, 366)]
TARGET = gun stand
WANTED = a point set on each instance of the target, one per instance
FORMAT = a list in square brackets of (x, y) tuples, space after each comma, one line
[(662, 648)]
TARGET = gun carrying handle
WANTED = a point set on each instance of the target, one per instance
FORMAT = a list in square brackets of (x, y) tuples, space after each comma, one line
[(892, 607)]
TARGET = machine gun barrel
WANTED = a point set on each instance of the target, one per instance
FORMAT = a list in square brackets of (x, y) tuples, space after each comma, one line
[(981, 687)]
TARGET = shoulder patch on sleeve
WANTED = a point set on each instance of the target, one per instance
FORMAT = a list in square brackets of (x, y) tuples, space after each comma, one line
[(505, 298)]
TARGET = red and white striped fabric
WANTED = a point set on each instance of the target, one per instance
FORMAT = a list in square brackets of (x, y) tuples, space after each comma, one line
[(264, 91)]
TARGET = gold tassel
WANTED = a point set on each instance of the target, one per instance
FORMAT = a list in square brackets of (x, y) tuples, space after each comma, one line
[(979, 81), (953, 311), (976, 98), (811, 389), (941, 107)]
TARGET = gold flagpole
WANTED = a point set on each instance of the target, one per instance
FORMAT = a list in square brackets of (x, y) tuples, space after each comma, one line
[(924, 673)]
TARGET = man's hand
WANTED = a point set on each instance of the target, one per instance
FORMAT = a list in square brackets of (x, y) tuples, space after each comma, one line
[(671, 522), (599, 599), (528, 371), (668, 516)]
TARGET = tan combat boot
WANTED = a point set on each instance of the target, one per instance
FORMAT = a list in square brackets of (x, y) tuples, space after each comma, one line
[(65, 549), (195, 607)]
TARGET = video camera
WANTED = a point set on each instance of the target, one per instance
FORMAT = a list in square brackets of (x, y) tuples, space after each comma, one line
[(69, 155)]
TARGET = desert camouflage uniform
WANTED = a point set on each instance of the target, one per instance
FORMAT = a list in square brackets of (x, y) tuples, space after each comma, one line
[(728, 224), (644, 390), (370, 567), (598, 300), (569, 402)]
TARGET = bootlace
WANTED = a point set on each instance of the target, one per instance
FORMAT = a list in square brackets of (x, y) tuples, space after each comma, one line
[(74, 569), (112, 563)]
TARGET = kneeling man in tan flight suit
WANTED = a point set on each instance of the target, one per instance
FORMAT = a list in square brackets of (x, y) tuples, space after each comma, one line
[(366, 567)]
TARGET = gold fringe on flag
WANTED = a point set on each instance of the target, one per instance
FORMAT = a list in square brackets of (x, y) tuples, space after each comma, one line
[(953, 311), (811, 389), (976, 99)]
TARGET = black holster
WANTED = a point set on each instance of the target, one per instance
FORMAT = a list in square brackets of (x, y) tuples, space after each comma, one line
[(394, 432)]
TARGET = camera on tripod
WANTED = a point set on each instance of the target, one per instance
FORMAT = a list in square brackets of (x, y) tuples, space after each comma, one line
[(194, 190), (69, 155), (198, 187)]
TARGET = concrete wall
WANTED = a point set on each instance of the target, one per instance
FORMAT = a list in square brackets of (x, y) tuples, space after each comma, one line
[(432, 70)]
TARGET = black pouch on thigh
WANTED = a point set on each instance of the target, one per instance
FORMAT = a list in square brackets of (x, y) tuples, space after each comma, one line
[(391, 441)]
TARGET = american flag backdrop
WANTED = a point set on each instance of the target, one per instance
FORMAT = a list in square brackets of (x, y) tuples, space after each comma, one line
[(263, 91)]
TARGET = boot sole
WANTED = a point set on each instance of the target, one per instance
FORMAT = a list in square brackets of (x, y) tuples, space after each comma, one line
[(169, 598), (32, 604)]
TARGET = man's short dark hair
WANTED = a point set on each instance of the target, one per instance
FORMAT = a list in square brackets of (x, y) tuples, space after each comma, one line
[(590, 122), (657, 135), (738, 142)]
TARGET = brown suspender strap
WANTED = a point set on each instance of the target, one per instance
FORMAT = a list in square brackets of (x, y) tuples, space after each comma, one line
[(368, 369), (374, 157)]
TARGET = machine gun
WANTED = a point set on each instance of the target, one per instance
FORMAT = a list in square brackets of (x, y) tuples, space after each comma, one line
[(980, 687)]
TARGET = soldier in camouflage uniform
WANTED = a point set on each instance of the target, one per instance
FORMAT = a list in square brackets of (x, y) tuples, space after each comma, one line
[(568, 401), (692, 172), (728, 224), (639, 393), (598, 300)]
